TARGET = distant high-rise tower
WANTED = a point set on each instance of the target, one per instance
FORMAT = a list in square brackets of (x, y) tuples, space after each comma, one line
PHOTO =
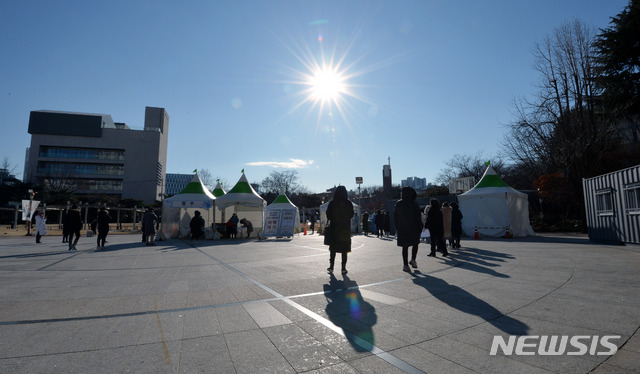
[(386, 178)]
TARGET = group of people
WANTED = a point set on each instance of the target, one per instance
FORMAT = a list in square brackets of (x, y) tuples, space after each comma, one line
[(443, 222), (72, 224), (378, 223), (231, 227)]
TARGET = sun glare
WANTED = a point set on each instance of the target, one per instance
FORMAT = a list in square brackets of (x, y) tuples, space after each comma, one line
[(327, 85)]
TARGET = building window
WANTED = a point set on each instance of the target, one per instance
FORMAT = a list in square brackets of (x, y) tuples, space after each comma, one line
[(81, 153), (632, 198), (604, 202)]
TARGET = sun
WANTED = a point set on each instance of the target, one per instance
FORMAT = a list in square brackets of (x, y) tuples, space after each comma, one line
[(326, 85)]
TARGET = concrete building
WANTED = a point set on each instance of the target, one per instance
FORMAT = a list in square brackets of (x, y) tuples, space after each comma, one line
[(176, 183), (94, 156), (418, 184)]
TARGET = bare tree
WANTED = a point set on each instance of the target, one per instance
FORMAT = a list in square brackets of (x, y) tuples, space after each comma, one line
[(8, 166), (468, 166), (282, 181), (207, 178), (560, 129)]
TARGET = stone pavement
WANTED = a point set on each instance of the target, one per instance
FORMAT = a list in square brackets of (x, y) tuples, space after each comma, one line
[(250, 306)]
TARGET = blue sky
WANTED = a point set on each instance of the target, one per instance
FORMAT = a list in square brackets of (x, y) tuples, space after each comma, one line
[(419, 82)]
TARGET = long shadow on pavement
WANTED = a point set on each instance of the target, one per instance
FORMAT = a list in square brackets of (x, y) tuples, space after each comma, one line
[(348, 310), (466, 302)]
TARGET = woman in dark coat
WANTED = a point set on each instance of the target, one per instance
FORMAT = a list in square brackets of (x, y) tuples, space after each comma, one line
[(436, 228), (408, 221), (339, 215), (456, 225)]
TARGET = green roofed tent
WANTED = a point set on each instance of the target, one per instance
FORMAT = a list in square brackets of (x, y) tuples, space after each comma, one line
[(246, 203), (218, 191), (282, 218), (178, 210), (492, 206)]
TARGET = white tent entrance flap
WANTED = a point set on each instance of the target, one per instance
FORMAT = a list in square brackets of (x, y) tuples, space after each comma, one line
[(281, 218), (178, 210), (243, 200), (492, 207)]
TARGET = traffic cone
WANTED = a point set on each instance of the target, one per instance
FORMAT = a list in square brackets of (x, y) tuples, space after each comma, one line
[(475, 234), (305, 229), (508, 234)]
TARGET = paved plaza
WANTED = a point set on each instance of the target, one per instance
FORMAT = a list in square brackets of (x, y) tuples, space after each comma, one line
[(248, 306)]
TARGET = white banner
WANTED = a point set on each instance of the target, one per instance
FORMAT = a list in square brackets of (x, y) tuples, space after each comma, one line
[(28, 208)]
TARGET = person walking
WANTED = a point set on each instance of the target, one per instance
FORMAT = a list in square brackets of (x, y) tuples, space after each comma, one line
[(73, 224), (408, 220), (456, 224), (41, 226), (339, 214), (436, 227), (102, 224), (196, 224), (149, 222), (446, 222)]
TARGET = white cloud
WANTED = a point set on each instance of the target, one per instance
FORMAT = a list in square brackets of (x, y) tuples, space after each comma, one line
[(292, 164)]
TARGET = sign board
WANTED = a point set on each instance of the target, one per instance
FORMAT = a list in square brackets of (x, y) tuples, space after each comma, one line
[(358, 180), (28, 208), (271, 223)]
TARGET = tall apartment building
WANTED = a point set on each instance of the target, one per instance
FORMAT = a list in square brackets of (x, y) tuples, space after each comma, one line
[(93, 155), (418, 184)]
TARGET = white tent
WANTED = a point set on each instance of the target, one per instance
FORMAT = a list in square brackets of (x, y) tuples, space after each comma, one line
[(178, 210), (246, 203), (355, 221), (282, 218), (492, 206), (221, 215)]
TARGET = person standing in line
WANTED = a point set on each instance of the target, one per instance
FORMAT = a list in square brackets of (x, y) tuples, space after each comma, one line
[(446, 221), (246, 223), (196, 224), (379, 223), (387, 223), (339, 215), (408, 220), (436, 228), (102, 224), (41, 225), (234, 228), (456, 224), (65, 228), (73, 224), (365, 223), (149, 222)]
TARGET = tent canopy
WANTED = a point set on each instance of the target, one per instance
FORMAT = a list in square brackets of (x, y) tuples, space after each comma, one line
[(243, 200), (178, 210), (241, 194), (492, 206), (194, 195), (218, 191)]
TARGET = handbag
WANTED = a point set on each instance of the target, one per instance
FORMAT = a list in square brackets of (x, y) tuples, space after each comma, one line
[(328, 234)]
